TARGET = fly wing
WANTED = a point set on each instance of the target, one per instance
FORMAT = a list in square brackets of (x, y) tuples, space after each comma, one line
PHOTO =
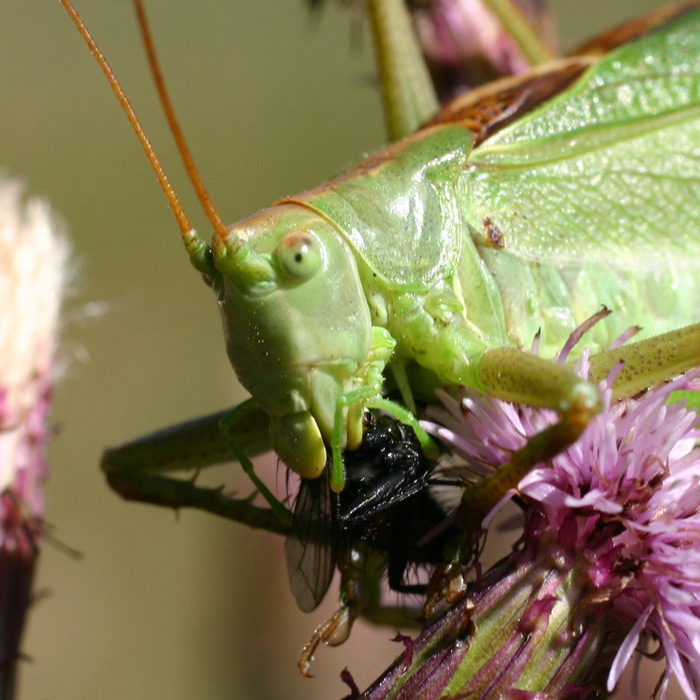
[(310, 548), (607, 172)]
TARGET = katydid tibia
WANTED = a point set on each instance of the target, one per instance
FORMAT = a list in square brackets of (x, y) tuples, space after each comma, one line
[(521, 209)]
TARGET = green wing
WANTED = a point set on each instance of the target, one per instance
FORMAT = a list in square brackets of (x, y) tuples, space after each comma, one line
[(609, 171)]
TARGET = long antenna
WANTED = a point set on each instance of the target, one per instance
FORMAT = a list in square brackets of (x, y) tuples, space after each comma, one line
[(194, 245), (185, 153)]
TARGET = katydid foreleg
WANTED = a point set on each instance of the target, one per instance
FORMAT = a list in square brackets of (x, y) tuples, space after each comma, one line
[(368, 394)]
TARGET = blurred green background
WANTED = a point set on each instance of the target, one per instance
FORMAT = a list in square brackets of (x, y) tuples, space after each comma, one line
[(273, 101)]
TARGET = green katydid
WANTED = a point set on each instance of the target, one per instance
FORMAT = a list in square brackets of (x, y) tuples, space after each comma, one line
[(441, 256)]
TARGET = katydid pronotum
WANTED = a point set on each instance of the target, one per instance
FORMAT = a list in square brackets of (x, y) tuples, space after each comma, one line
[(520, 209)]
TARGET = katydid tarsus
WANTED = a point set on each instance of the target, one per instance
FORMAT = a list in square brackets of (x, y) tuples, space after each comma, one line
[(521, 209)]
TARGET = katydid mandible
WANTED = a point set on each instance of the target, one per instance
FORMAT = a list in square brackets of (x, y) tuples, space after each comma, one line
[(440, 257)]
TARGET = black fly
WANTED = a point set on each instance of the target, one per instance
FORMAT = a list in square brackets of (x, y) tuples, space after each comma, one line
[(385, 506)]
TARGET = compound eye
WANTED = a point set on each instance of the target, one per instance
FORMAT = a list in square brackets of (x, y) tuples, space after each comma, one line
[(299, 255)]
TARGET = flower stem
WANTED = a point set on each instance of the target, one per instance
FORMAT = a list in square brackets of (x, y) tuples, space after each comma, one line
[(529, 625)]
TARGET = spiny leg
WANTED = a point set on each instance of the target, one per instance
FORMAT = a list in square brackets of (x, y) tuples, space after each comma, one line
[(648, 362), (349, 408), (635, 367), (351, 405), (230, 430), (403, 415), (141, 470), (347, 403), (367, 398), (513, 375)]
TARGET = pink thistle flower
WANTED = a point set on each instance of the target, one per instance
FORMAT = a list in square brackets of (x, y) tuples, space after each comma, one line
[(609, 560), (465, 44), (33, 271)]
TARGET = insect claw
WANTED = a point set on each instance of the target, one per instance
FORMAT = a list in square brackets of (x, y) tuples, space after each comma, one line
[(334, 631), (447, 586)]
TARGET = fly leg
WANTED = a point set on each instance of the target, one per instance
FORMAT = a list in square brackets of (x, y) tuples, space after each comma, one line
[(360, 573), (361, 569)]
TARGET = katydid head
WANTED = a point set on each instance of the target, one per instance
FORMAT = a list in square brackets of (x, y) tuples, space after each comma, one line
[(296, 323)]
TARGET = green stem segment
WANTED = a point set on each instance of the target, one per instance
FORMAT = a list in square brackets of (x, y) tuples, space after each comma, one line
[(520, 30), (527, 625), (407, 89)]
